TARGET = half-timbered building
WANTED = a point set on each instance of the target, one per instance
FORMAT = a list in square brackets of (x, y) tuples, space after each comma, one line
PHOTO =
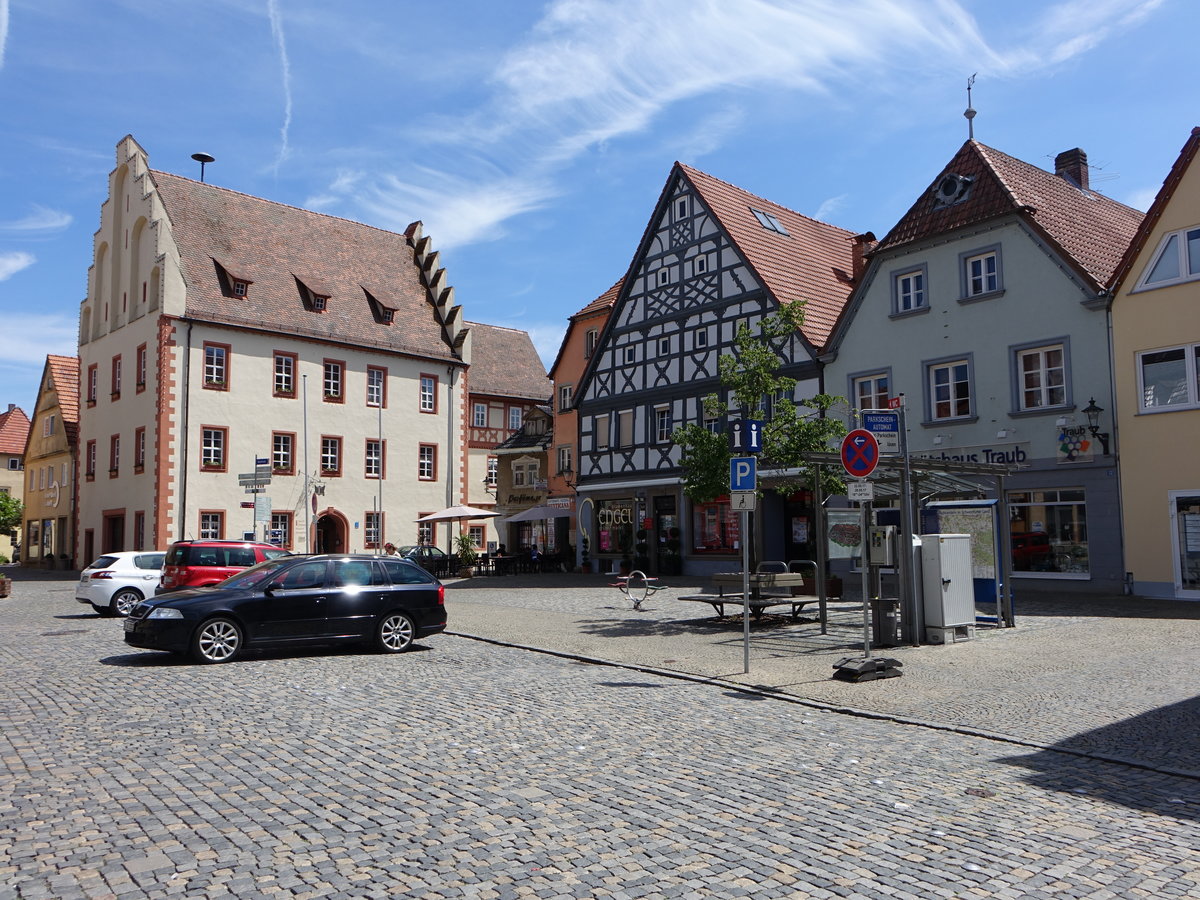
[(712, 258)]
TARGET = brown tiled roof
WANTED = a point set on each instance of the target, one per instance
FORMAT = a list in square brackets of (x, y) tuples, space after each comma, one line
[(812, 262), (504, 363), (1186, 155), (65, 372), (14, 431), (1092, 231), (601, 305), (274, 246)]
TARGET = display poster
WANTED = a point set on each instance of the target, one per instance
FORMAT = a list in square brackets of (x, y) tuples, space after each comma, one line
[(799, 529), (844, 532)]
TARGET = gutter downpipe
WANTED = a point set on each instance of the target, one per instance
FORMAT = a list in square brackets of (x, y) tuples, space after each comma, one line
[(187, 387)]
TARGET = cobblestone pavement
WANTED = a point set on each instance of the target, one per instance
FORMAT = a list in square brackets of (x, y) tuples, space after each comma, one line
[(466, 769)]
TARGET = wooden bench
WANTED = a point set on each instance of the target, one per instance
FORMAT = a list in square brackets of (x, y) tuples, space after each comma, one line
[(758, 605)]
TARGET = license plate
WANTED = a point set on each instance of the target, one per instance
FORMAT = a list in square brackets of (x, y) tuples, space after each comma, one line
[(130, 624)]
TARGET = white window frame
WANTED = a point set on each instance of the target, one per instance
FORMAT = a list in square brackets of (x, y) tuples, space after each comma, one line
[(1045, 373), (910, 291), (216, 364), (931, 386), (630, 354), (591, 339), (662, 424), (212, 526), (212, 448), (564, 397), (479, 415), (331, 455), (1188, 264), (985, 283), (285, 374), (372, 528), (332, 377), (1191, 376), (373, 458), (427, 401), (426, 462), (516, 415), (283, 451), (564, 459), (493, 470), (878, 393), (375, 381)]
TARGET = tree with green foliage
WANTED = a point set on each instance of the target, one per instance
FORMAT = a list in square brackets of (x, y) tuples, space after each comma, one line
[(757, 389), (11, 513)]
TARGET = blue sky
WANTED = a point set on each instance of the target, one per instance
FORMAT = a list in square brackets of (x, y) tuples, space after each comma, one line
[(533, 139)]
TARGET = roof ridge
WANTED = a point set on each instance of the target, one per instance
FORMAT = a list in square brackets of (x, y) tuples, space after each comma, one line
[(497, 327), (311, 212), (742, 190), (1025, 163)]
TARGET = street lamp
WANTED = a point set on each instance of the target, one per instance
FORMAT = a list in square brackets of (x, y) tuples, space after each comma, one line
[(1092, 411)]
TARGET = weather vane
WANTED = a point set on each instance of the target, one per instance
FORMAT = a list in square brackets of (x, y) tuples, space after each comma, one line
[(970, 113)]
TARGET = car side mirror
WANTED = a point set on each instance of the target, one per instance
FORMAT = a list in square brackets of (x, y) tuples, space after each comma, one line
[(273, 587)]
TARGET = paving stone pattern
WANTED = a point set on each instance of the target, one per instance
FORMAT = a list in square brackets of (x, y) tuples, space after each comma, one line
[(466, 769)]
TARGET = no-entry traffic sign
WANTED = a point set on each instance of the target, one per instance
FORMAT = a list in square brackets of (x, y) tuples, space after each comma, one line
[(860, 453)]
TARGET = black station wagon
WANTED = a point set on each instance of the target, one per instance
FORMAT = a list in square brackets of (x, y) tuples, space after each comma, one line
[(295, 601)]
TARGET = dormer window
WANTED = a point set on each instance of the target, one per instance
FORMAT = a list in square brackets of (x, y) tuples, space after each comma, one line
[(239, 289), (387, 316), (319, 302), (768, 221)]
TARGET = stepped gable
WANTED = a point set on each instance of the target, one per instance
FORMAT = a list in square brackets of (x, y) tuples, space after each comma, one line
[(813, 262), (14, 431), (65, 372), (288, 255), (504, 363), (1092, 231)]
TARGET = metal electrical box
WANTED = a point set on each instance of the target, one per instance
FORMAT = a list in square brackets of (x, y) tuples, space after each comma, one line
[(881, 547), (946, 577)]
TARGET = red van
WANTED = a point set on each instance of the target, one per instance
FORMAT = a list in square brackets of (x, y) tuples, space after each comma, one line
[(199, 563)]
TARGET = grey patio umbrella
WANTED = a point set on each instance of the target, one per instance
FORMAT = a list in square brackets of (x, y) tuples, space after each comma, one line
[(536, 513), (457, 514)]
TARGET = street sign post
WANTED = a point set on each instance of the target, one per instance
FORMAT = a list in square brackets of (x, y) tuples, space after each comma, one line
[(743, 500), (885, 425), (860, 453), (743, 473)]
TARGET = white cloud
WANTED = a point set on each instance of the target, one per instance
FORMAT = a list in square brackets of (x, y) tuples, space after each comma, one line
[(455, 211), (3, 29), (26, 339), (593, 71), (41, 219), (829, 207), (12, 263), (286, 72)]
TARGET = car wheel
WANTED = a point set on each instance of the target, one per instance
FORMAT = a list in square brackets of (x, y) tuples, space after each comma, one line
[(123, 601), (396, 633), (102, 610), (216, 641)]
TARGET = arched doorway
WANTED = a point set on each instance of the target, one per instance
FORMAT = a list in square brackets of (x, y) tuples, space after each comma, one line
[(331, 530)]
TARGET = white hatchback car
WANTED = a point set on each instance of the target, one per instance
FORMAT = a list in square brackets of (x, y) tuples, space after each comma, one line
[(117, 582)]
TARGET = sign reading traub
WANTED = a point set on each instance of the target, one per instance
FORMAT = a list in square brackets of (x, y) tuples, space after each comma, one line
[(981, 455)]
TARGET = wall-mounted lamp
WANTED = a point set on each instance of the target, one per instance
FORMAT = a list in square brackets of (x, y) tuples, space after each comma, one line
[(1092, 411), (489, 484), (570, 476)]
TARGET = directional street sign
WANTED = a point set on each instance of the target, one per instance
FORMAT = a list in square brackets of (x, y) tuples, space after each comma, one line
[(743, 473), (745, 436), (885, 425), (860, 453)]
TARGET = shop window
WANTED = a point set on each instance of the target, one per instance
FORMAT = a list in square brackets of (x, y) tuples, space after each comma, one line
[(715, 527)]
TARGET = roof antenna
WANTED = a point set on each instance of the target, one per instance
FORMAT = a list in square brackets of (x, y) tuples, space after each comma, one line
[(970, 113), (204, 158)]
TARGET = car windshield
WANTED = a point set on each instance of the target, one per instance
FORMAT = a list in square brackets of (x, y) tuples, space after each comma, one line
[(255, 575)]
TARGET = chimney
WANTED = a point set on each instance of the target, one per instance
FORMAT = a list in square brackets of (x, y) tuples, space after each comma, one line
[(1072, 165), (863, 244), (11, 407)]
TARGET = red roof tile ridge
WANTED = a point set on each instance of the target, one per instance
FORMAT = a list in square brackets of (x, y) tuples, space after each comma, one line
[(1037, 172), (692, 170), (312, 212)]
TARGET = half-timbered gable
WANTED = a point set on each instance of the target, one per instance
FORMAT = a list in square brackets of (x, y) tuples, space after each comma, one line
[(713, 257)]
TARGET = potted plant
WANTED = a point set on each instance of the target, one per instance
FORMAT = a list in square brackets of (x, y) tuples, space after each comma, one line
[(466, 555), (586, 564), (626, 545), (641, 559)]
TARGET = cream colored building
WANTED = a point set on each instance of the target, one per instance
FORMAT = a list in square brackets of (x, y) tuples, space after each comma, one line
[(224, 334), (1156, 361), (50, 466)]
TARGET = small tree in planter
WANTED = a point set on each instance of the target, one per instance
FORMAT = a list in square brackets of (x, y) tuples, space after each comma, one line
[(641, 560), (585, 562), (466, 555)]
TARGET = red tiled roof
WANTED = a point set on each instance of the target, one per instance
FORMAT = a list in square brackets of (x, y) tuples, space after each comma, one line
[(274, 245), (1186, 155), (813, 262), (14, 431), (504, 363), (65, 372), (1091, 230), (602, 305)]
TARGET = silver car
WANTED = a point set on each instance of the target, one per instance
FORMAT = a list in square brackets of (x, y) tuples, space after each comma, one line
[(117, 582)]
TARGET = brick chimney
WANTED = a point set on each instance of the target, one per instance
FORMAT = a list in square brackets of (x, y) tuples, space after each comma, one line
[(863, 244), (1072, 165)]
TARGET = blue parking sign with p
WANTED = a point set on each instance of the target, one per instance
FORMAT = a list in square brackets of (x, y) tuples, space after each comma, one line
[(743, 473)]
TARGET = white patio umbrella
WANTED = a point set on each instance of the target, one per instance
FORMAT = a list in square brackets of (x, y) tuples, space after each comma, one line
[(457, 514), (536, 513)]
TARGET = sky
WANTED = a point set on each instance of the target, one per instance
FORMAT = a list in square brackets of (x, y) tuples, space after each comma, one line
[(533, 139)]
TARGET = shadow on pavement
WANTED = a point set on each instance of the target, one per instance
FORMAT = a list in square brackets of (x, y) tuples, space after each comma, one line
[(1163, 738), (161, 659), (1036, 603)]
